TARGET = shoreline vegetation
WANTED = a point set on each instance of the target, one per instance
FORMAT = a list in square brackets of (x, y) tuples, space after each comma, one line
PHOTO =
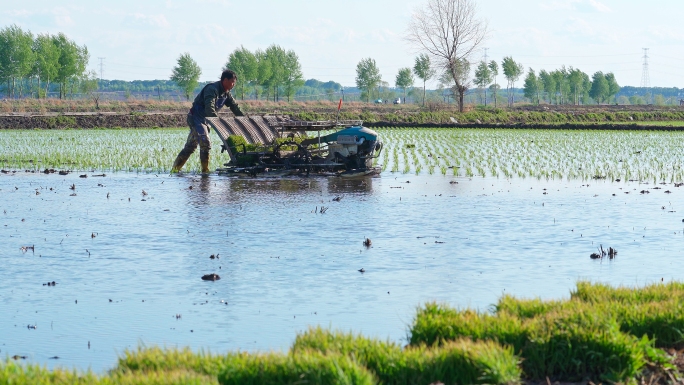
[(601, 334), (77, 114)]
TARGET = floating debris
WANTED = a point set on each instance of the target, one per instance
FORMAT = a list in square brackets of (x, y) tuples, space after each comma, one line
[(367, 242), (214, 256), (83, 176), (27, 248), (337, 199), (611, 253), (211, 277), (362, 270), (53, 283), (63, 172)]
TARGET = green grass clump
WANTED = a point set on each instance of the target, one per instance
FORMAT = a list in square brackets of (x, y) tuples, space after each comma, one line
[(158, 359), (457, 362), (569, 344), (305, 368), (597, 292), (654, 311), (525, 308), (19, 374), (245, 368)]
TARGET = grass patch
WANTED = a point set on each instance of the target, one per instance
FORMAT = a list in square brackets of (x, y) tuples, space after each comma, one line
[(15, 373), (304, 368), (457, 362), (601, 332)]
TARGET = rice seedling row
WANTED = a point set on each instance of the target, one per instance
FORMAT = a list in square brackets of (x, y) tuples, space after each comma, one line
[(551, 154)]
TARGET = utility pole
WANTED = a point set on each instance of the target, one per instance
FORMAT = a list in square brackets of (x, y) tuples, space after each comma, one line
[(645, 80), (485, 55), (101, 67)]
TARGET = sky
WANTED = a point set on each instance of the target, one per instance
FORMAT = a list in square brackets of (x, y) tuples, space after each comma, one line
[(142, 40)]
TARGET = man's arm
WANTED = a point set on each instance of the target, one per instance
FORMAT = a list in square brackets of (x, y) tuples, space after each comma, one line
[(232, 104), (211, 94)]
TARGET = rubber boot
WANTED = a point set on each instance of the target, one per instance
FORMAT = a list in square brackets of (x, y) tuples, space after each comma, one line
[(204, 161), (180, 161)]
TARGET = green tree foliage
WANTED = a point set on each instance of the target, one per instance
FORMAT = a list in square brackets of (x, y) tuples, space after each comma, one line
[(275, 56), (367, 77), (404, 80), (483, 77), (494, 88), (186, 74), (576, 83), (562, 90), (16, 56), (46, 62), (244, 64), (532, 87), (599, 87), (72, 63), (264, 70), (549, 84), (512, 71), (424, 70), (613, 87), (292, 74)]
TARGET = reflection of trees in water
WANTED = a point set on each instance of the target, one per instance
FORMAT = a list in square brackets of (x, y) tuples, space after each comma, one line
[(216, 191), (276, 185)]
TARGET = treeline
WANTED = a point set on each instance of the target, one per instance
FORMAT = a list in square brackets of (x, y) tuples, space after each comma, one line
[(268, 74), (30, 64), (570, 86)]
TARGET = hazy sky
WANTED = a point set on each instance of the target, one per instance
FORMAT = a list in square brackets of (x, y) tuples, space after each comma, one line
[(142, 39)]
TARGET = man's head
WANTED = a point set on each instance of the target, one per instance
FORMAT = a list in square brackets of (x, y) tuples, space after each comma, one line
[(228, 79)]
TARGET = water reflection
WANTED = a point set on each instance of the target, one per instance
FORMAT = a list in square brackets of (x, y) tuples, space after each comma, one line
[(353, 185), (220, 190)]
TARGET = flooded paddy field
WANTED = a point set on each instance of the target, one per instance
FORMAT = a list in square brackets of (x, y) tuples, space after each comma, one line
[(459, 216), (127, 265)]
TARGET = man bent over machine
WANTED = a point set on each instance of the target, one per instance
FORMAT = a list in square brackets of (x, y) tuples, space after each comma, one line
[(207, 104)]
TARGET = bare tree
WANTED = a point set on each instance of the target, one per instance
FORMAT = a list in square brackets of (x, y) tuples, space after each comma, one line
[(449, 31)]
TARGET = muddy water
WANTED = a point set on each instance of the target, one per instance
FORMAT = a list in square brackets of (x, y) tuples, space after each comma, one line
[(128, 265)]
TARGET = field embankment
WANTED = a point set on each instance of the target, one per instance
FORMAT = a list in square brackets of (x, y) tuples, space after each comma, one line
[(55, 114)]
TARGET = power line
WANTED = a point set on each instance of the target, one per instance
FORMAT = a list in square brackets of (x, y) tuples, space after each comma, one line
[(101, 66), (645, 80)]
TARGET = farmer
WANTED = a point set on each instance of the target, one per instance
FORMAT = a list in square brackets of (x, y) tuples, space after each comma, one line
[(207, 103)]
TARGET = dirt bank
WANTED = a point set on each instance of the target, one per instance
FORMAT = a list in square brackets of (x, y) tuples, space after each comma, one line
[(541, 117), (63, 121)]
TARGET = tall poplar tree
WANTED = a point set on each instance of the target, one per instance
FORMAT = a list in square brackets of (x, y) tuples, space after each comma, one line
[(186, 74)]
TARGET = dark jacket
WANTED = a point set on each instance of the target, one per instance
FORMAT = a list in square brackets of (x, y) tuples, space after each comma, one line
[(211, 99)]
